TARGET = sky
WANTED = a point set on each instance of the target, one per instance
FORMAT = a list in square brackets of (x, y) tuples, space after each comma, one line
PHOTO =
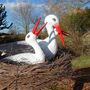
[(86, 5), (9, 4), (38, 3), (31, 1)]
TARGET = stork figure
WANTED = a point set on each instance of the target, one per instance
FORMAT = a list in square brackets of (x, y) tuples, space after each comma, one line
[(30, 58), (49, 44)]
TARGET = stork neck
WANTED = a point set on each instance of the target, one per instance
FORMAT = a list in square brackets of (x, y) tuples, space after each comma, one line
[(52, 40), (50, 32), (38, 51)]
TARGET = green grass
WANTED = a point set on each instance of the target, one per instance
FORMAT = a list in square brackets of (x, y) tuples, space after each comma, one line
[(81, 62), (11, 38)]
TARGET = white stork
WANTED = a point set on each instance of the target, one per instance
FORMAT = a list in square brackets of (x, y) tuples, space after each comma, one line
[(49, 44), (30, 58)]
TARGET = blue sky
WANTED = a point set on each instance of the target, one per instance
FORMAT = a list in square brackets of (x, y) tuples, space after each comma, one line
[(32, 1), (86, 5), (10, 3)]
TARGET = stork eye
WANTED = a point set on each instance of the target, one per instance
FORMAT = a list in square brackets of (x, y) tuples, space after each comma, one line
[(54, 19), (28, 36)]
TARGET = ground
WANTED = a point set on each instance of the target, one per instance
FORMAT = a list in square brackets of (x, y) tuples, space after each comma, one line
[(57, 75)]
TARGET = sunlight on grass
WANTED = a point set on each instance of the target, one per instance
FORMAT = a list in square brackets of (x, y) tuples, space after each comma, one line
[(81, 62), (86, 38)]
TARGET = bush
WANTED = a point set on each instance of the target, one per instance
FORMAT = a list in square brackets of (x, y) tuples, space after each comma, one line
[(11, 38), (81, 62), (77, 24), (43, 35)]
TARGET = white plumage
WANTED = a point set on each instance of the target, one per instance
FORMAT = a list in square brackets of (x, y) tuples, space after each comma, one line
[(46, 48), (49, 44), (30, 58)]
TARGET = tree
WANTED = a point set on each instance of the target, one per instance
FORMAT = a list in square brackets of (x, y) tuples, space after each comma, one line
[(77, 24), (23, 15), (13, 30), (3, 15), (60, 7)]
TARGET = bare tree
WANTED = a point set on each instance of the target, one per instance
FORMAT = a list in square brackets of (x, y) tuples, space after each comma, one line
[(23, 15), (60, 7), (3, 15), (13, 30)]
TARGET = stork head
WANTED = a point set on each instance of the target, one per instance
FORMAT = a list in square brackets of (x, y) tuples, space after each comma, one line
[(31, 36), (54, 22), (52, 19)]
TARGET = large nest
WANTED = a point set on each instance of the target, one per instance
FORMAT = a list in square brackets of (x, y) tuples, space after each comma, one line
[(39, 77)]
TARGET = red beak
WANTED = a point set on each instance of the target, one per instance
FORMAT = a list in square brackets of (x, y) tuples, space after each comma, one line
[(37, 33), (60, 32), (35, 27)]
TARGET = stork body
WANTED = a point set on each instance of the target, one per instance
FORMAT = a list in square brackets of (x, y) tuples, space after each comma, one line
[(49, 44), (30, 58)]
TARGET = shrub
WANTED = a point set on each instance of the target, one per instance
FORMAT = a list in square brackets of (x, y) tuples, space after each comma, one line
[(77, 25), (11, 38)]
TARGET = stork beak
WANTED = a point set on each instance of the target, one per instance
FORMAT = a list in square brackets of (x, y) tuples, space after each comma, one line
[(60, 33), (37, 33), (36, 25)]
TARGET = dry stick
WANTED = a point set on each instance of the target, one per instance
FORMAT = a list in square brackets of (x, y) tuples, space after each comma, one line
[(8, 85), (48, 74), (45, 81), (45, 66), (78, 76), (17, 76), (40, 66), (15, 80)]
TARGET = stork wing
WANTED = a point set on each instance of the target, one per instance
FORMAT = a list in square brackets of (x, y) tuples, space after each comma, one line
[(16, 48), (20, 47)]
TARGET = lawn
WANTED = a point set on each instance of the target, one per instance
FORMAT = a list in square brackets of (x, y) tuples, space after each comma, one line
[(81, 62)]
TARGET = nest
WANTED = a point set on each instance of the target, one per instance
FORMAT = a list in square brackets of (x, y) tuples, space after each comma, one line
[(37, 77)]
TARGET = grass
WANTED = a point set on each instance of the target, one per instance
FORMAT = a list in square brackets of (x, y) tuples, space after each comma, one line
[(11, 38), (86, 38), (81, 62)]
